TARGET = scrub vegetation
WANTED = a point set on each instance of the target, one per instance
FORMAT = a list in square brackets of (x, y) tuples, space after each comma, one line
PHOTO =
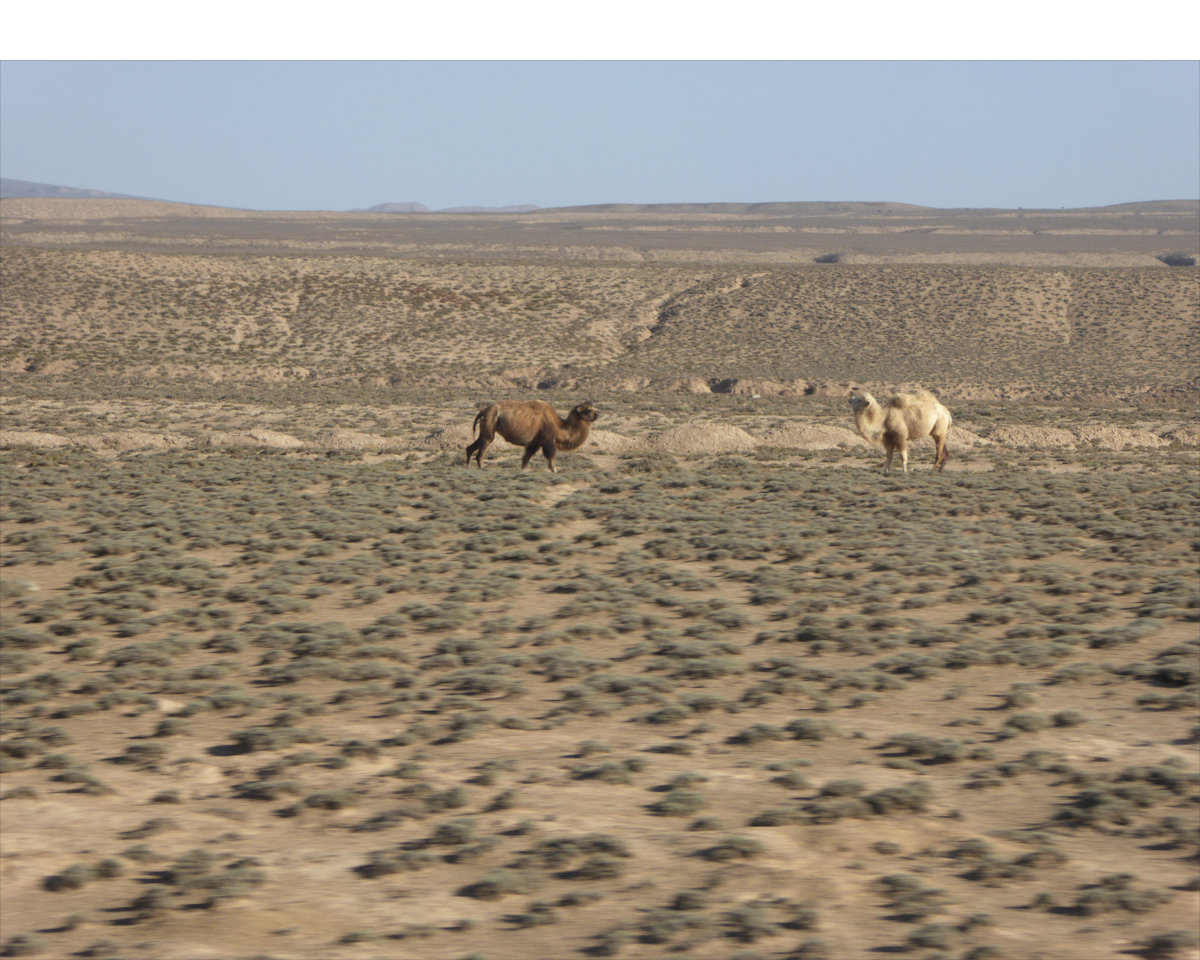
[(266, 673)]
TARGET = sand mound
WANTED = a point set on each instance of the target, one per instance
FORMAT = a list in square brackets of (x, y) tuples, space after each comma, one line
[(457, 437), (108, 443), (226, 438), (1103, 438), (703, 438), (965, 438), (1183, 436), (812, 436), (338, 439), (605, 441), (276, 440), (31, 438), (126, 440), (758, 387), (1023, 435), (251, 438), (1118, 438)]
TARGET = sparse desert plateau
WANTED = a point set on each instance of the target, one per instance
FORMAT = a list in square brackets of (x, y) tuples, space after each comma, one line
[(283, 678)]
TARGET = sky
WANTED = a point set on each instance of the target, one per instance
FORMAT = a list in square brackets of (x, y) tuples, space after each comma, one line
[(318, 134)]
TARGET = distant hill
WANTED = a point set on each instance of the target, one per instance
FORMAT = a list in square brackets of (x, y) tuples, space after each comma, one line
[(410, 207), (11, 189), (1154, 206), (421, 208), (514, 208), (15, 189)]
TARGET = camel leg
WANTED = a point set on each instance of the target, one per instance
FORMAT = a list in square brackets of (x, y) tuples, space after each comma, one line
[(530, 450), (887, 466), (942, 455), (548, 451), (479, 448)]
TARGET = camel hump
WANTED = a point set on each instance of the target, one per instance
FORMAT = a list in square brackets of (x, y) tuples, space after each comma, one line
[(906, 401)]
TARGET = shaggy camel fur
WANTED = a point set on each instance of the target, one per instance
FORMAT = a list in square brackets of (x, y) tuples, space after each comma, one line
[(907, 416), (534, 425)]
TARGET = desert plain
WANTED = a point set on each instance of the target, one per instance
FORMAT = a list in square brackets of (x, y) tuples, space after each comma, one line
[(283, 678)]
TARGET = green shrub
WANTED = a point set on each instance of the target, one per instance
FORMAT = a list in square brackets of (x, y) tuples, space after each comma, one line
[(937, 936), (24, 945), (497, 884), (1167, 946), (806, 728), (678, 803), (913, 798), (733, 848), (73, 878), (385, 863), (599, 867)]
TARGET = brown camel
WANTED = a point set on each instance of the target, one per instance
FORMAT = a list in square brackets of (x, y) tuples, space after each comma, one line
[(534, 425)]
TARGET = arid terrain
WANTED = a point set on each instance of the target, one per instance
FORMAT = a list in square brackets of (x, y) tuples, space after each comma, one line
[(282, 678)]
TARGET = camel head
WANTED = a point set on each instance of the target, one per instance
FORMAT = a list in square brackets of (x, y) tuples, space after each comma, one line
[(859, 400), (585, 411)]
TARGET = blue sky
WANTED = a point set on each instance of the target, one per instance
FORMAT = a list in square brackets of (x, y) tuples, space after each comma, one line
[(337, 135)]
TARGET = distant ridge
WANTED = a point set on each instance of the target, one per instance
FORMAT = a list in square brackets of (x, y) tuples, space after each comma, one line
[(514, 208), (33, 190), (819, 207), (22, 189), (792, 207), (410, 207), (413, 207), (1154, 206)]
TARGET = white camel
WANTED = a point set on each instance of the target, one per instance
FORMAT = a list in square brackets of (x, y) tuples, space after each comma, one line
[(907, 416)]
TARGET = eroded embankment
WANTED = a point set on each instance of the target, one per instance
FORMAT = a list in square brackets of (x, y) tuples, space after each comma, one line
[(686, 439)]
